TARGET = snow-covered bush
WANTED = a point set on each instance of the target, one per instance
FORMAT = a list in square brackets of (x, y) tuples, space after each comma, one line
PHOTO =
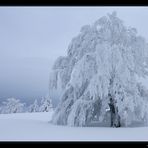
[(46, 104), (34, 107), (12, 105)]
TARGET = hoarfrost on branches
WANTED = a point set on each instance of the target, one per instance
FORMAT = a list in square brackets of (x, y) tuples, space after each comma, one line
[(101, 66)]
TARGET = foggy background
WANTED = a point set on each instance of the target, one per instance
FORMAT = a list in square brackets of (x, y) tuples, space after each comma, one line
[(31, 38)]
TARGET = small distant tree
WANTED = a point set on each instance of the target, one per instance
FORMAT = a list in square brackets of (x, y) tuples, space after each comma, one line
[(12, 105), (34, 107), (46, 104)]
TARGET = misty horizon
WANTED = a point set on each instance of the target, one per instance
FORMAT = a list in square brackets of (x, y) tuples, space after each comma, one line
[(32, 38)]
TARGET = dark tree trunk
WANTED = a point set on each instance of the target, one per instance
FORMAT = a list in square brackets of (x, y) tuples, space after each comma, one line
[(115, 118)]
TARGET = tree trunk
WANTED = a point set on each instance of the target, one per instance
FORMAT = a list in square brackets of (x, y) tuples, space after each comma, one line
[(115, 118)]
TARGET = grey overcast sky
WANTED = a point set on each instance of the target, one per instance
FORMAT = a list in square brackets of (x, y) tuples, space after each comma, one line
[(31, 38)]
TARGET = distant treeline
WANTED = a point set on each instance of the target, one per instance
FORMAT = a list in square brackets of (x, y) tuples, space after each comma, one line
[(13, 105)]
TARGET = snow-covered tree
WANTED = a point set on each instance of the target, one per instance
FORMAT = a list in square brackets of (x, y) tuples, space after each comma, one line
[(34, 107), (12, 105), (46, 104), (103, 62)]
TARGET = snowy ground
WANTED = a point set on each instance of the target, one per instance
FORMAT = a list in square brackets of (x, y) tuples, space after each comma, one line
[(36, 127)]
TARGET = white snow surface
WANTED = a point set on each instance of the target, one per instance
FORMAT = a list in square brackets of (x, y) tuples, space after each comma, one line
[(37, 127)]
